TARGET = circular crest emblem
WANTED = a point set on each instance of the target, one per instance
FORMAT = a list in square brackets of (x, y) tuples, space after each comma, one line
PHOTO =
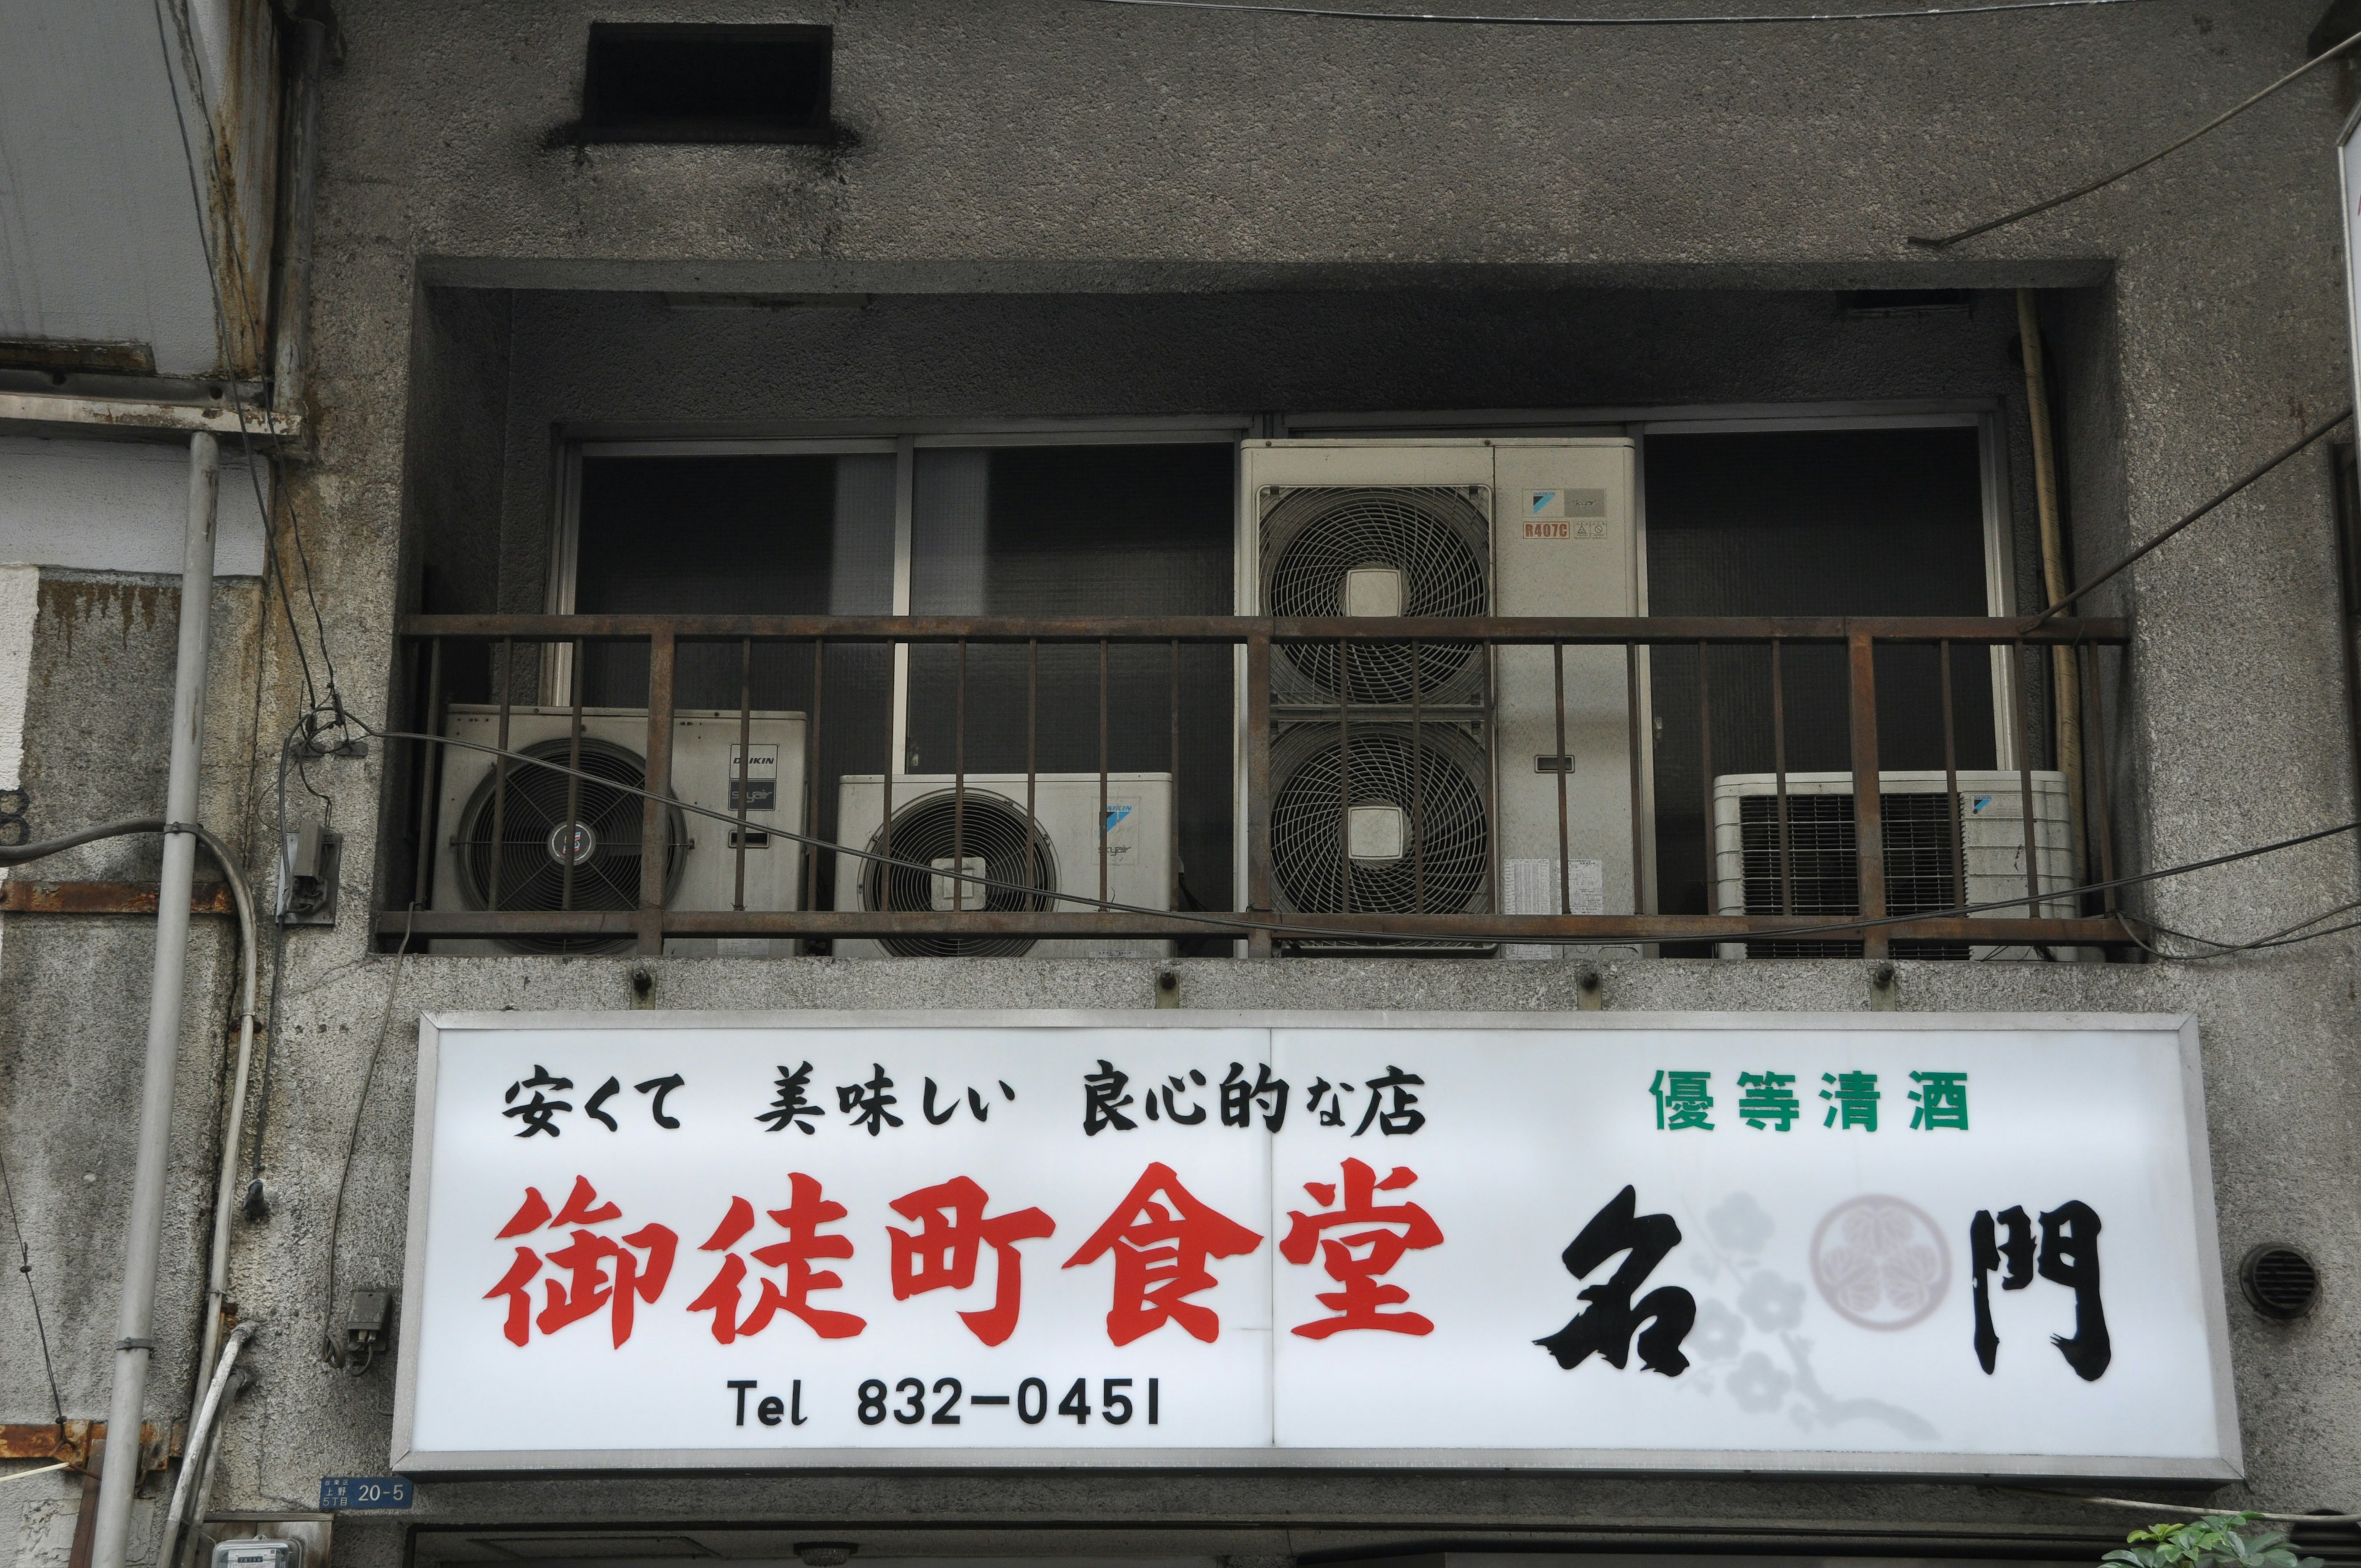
[(1881, 1261)]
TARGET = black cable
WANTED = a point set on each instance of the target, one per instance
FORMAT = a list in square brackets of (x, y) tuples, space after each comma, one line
[(25, 1267), (335, 1352), (1232, 922), (1340, 14), (236, 394), (1945, 241), (2269, 464)]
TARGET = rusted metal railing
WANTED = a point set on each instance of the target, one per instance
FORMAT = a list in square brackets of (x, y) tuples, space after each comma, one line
[(2052, 916)]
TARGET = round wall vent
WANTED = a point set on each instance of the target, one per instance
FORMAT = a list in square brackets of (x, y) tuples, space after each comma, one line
[(2280, 1281)]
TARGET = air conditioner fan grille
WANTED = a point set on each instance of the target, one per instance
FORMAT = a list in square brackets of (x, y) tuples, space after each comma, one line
[(933, 828), (1436, 784), (1436, 538), (533, 844)]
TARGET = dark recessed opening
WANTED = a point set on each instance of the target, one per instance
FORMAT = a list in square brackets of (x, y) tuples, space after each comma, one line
[(1905, 302), (2279, 1282), (664, 81)]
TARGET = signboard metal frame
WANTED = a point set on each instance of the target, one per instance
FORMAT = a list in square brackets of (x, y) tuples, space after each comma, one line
[(408, 1460)]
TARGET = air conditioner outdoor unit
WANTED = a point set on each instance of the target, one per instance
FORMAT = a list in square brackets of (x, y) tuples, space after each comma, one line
[(981, 828), (524, 862), (1424, 778), (1923, 862)]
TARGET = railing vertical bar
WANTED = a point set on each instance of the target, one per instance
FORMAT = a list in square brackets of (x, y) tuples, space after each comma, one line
[(1102, 770), (1636, 750), (885, 805), (959, 788), (500, 774), (1417, 785), (2033, 909), (745, 780), (1173, 767), (809, 854), (1952, 780), (655, 843), (1704, 782), (1344, 772), (1032, 772), (2095, 744), (1258, 802), (1868, 805), (429, 776), (1565, 871), (1779, 777), (571, 829)]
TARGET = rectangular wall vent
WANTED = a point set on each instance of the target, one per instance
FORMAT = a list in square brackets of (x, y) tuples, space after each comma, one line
[(694, 82)]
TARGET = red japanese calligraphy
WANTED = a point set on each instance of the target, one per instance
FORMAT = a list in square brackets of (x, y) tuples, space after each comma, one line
[(1160, 1249), (600, 1271), (1357, 1272), (805, 1212), (952, 1232)]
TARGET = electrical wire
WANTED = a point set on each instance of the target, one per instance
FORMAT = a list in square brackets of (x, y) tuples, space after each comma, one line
[(1341, 15), (1943, 242), (335, 1352), (2314, 434), (25, 1267), (2183, 1507), (1236, 922), (264, 505)]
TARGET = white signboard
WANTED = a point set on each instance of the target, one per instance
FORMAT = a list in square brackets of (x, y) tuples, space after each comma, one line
[(1921, 1245)]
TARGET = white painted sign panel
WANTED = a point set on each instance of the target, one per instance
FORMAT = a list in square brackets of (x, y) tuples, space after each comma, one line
[(1906, 1244)]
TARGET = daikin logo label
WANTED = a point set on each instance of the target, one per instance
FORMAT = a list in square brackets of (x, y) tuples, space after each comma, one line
[(1114, 815), (1545, 504)]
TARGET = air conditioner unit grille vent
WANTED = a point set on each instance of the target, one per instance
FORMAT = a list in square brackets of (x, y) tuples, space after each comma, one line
[(982, 834), (1435, 543), (1920, 866), (537, 836), (1436, 786)]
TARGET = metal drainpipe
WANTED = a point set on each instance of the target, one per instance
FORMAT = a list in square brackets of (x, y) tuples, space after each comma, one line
[(144, 1237), (292, 311)]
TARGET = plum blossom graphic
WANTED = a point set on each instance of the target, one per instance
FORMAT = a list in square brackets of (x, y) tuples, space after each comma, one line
[(1739, 1223), (1757, 1385), (1770, 1302)]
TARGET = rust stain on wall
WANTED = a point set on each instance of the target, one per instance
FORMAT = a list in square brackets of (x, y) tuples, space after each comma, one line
[(66, 604)]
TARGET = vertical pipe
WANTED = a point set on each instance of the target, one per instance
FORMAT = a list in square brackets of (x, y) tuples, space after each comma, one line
[(292, 308), (143, 1235), (1951, 785), (746, 759), (655, 815), (1868, 805), (1258, 823), (1779, 779), (570, 844), (2064, 694), (499, 775)]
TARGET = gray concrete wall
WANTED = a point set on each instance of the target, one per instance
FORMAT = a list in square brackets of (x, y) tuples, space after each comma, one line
[(1014, 151)]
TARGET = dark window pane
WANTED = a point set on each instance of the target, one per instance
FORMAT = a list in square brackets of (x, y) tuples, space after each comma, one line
[(1818, 523)]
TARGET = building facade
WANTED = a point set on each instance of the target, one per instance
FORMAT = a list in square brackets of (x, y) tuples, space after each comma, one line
[(961, 378)]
